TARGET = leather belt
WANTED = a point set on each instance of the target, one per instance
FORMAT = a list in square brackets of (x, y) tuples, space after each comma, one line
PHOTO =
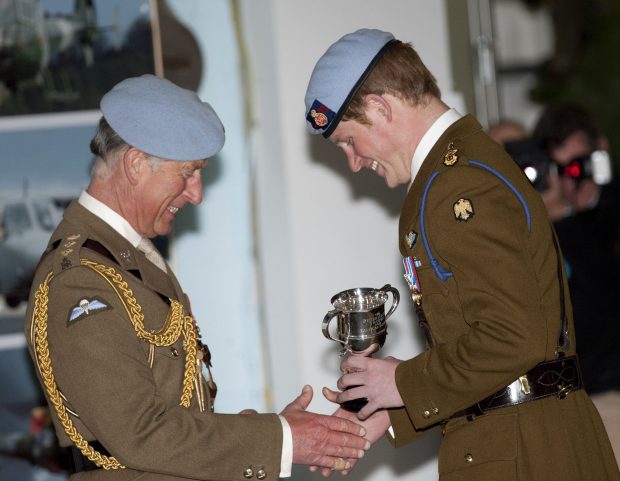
[(81, 462), (549, 378)]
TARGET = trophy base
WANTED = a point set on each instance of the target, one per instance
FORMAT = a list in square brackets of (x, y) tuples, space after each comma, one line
[(354, 405)]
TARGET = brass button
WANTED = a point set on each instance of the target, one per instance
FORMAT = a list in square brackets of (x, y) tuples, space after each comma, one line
[(426, 414), (469, 458), (261, 474), (248, 473), (174, 351), (435, 410)]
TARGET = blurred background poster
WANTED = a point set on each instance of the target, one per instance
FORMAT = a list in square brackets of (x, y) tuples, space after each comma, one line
[(61, 55)]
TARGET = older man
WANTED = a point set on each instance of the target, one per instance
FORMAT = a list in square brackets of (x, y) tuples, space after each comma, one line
[(111, 331), (500, 374)]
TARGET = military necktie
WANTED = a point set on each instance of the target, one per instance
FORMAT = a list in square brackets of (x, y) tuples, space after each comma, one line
[(152, 254)]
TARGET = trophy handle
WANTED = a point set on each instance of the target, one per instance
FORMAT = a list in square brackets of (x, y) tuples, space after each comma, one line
[(326, 320), (395, 298)]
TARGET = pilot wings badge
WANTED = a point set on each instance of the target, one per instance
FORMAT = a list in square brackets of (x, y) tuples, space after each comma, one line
[(85, 308)]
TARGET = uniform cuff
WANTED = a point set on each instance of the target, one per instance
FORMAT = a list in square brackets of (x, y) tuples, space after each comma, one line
[(286, 462)]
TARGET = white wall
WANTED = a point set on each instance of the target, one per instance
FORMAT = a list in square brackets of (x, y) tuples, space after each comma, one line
[(213, 243), (323, 230)]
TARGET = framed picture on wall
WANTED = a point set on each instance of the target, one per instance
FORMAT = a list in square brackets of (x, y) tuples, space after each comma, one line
[(63, 55)]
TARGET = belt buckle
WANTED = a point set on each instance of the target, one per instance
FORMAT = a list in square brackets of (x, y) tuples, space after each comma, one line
[(525, 385), (564, 390)]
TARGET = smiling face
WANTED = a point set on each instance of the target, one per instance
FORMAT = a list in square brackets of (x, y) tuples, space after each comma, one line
[(162, 190), (375, 146)]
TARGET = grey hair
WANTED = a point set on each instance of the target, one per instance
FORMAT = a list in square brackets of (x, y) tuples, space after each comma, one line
[(107, 147)]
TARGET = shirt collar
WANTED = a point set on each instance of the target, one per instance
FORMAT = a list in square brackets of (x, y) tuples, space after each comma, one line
[(430, 138), (118, 223)]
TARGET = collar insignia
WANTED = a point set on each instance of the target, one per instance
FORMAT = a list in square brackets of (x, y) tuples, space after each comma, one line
[(451, 156), (463, 210), (411, 238), (320, 115), (85, 308)]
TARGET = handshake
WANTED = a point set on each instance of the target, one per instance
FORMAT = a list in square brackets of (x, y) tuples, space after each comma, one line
[(336, 442)]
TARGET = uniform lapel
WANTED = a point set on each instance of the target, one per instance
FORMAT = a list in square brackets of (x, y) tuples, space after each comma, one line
[(126, 255), (154, 278)]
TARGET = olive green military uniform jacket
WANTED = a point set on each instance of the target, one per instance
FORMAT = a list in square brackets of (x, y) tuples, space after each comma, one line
[(118, 389), (490, 292)]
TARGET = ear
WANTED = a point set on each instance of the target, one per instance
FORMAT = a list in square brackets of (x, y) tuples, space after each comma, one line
[(378, 105), (133, 161)]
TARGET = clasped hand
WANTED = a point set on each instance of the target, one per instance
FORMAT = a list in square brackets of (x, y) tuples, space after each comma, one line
[(326, 441), (371, 378)]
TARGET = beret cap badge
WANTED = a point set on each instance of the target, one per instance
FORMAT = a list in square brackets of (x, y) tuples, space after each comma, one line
[(320, 115)]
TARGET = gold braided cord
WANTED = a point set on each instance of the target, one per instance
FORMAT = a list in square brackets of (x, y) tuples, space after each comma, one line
[(173, 327), (177, 323), (47, 375), (189, 345)]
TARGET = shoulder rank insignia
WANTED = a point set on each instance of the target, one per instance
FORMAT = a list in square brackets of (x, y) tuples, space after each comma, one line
[(451, 156), (86, 307), (463, 209), (411, 238)]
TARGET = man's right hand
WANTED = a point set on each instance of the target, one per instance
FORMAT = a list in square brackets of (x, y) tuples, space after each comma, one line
[(326, 441), (376, 425)]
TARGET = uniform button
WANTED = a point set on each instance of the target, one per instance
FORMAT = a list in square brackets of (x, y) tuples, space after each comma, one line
[(469, 458), (435, 410), (174, 351), (248, 473), (426, 414), (261, 474)]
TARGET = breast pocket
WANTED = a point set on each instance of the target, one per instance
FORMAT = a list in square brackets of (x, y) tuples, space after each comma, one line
[(483, 450), (168, 369), (441, 306)]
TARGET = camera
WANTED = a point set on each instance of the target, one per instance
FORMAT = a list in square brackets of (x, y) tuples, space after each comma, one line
[(537, 164)]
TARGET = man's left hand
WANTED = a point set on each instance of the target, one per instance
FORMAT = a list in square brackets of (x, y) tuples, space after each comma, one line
[(371, 378)]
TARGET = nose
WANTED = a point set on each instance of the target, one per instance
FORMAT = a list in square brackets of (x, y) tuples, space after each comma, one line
[(193, 188)]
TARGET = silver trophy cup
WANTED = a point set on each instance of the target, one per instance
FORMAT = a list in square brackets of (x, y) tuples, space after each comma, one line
[(361, 322)]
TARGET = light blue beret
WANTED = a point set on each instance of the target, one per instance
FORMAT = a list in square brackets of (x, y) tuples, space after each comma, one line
[(162, 119), (338, 75)]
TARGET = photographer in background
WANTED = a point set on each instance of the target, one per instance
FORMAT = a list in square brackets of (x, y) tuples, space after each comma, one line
[(584, 204)]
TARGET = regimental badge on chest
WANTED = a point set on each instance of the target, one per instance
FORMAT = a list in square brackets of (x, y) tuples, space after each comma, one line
[(411, 238), (463, 210)]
